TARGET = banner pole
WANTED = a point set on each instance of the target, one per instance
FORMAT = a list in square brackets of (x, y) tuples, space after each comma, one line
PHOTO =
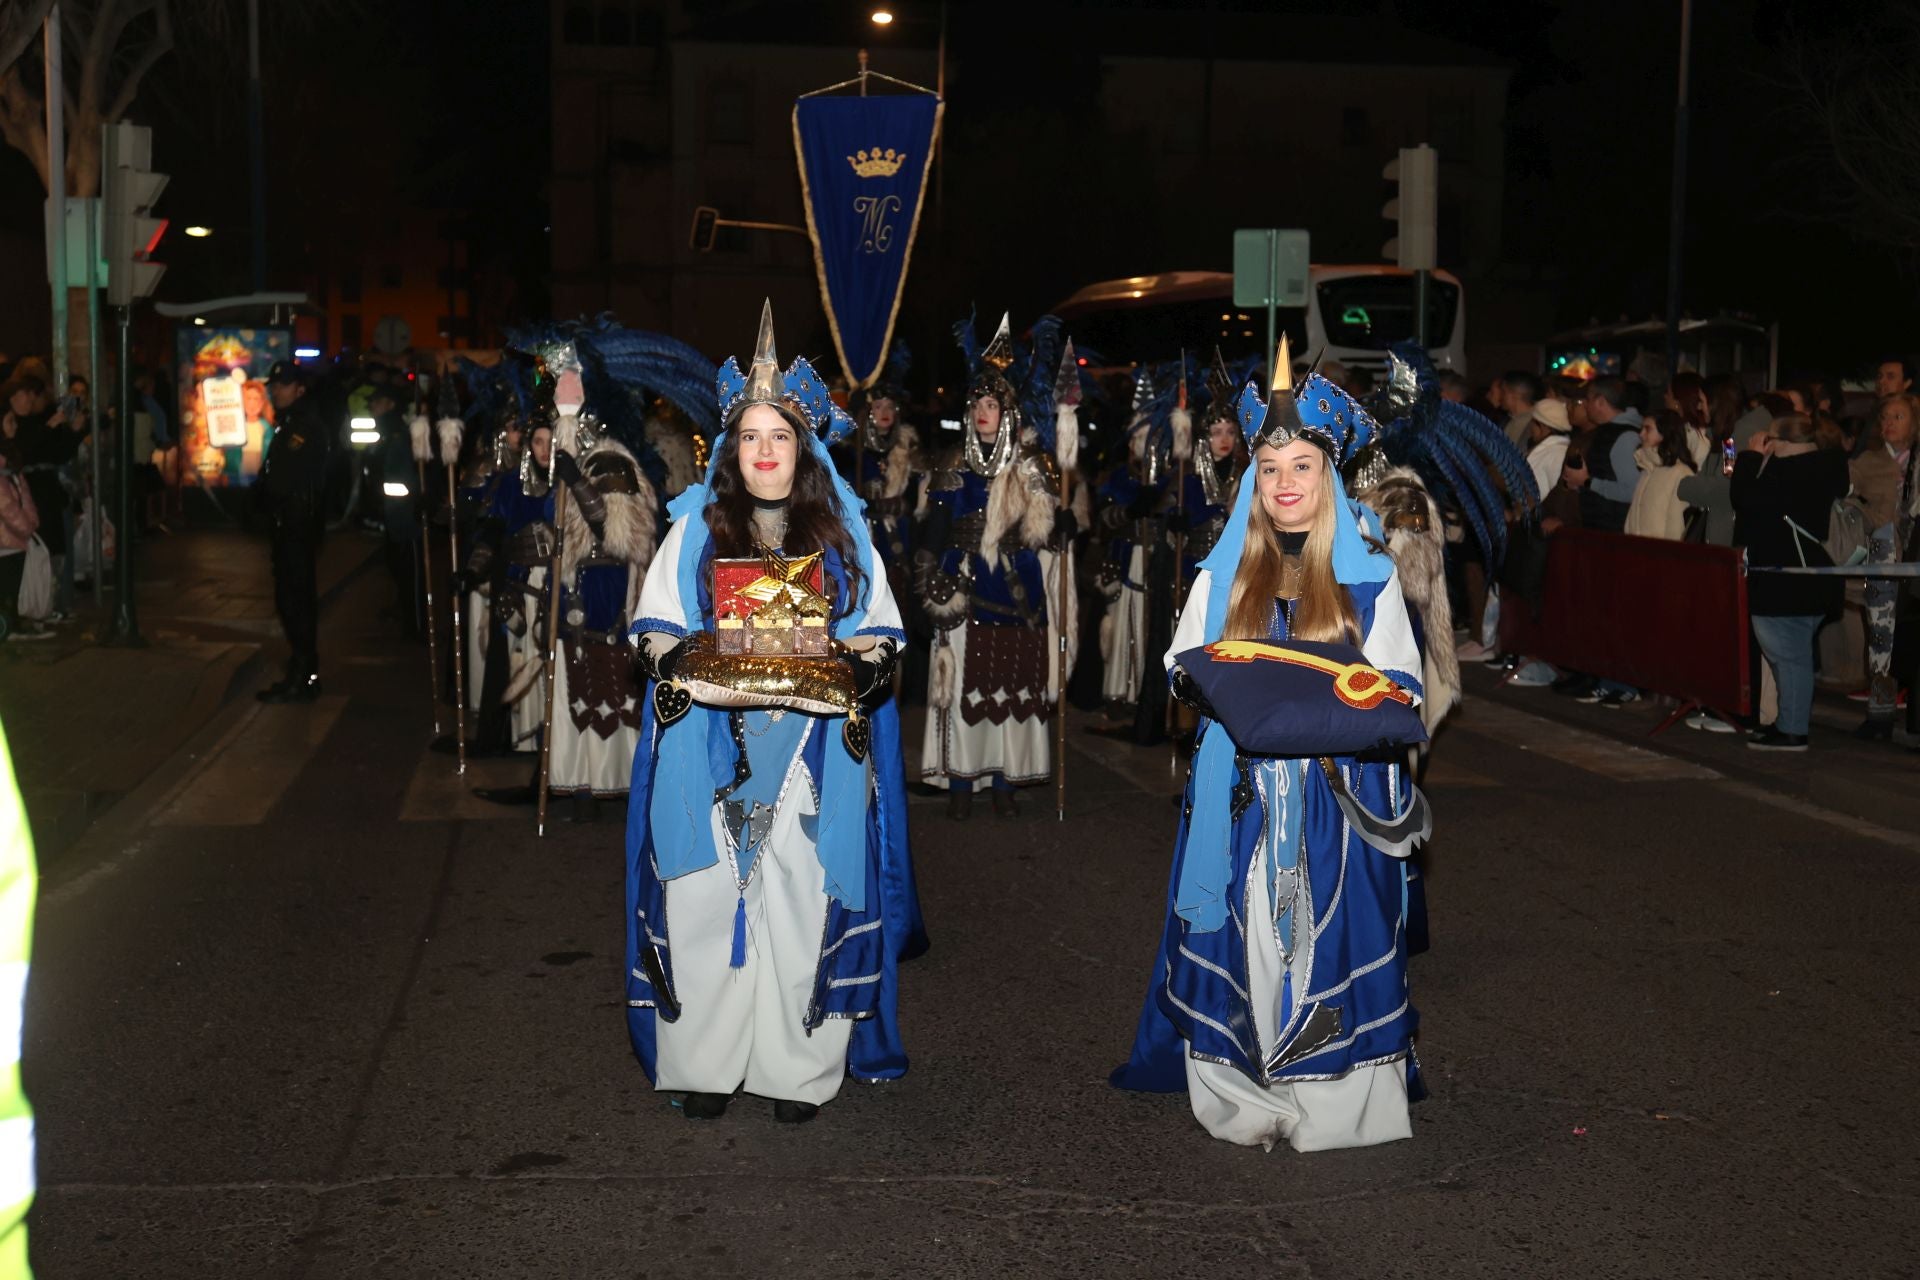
[(553, 647), (454, 592), (426, 581)]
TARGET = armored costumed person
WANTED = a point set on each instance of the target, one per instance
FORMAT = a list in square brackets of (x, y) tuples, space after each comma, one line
[(609, 528), (1436, 473), (997, 580), (511, 557), (1137, 575), (1278, 1000), (496, 511), (883, 463), (1215, 458), (768, 892)]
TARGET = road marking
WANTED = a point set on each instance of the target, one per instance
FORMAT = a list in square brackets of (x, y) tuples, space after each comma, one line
[(436, 793), (238, 784), (1592, 752), (1830, 817)]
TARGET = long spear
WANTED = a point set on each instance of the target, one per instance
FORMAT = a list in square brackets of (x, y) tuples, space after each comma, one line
[(452, 433), (419, 432), (1182, 449), (567, 398), (1066, 448), (553, 646)]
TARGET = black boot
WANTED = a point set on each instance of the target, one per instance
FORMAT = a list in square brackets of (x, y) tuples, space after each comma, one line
[(794, 1112), (1004, 805), (959, 805), (705, 1106)]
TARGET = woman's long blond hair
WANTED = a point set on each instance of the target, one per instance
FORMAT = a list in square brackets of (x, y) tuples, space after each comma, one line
[(1324, 612)]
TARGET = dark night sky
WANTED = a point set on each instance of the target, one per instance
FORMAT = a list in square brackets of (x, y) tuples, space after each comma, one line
[(444, 103)]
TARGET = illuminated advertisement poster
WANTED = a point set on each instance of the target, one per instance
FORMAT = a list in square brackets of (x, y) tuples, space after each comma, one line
[(226, 416)]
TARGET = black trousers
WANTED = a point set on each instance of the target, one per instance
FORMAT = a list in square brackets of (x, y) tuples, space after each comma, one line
[(296, 592), (12, 569)]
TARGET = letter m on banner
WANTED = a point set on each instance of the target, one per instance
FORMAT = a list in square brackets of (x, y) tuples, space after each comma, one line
[(863, 175)]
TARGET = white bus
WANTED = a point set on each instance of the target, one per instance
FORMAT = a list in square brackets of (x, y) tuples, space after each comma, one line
[(1353, 314)]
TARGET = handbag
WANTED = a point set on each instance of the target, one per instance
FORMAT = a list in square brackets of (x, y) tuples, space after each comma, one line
[(36, 581)]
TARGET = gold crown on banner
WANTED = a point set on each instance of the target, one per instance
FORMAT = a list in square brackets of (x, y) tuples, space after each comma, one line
[(877, 163)]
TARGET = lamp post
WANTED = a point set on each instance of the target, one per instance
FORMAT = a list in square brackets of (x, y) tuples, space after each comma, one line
[(884, 18)]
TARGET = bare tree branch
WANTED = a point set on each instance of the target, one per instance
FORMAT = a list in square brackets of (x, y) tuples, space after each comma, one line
[(20, 22), (111, 46), (1859, 87), (160, 46)]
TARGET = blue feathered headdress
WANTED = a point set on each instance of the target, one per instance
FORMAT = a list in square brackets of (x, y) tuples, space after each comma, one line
[(799, 393), (1317, 411), (1466, 462), (1021, 375), (622, 371)]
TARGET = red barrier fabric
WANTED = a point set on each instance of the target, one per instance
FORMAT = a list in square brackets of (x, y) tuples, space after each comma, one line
[(1665, 617)]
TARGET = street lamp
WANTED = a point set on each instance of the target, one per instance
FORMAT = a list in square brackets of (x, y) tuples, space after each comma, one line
[(882, 17), (199, 232)]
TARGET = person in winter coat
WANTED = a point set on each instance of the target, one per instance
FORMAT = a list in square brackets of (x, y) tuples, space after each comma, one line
[(1665, 458), (19, 518), (1550, 431), (1784, 488)]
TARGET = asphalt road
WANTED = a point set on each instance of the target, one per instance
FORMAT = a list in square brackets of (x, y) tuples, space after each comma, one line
[(304, 1010)]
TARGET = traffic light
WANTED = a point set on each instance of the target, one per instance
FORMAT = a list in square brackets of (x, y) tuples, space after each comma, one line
[(129, 233), (706, 224), (1412, 210)]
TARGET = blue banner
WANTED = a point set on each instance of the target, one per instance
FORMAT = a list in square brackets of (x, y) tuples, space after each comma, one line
[(863, 175)]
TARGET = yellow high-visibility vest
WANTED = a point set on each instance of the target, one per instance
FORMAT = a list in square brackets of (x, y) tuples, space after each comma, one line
[(18, 884)]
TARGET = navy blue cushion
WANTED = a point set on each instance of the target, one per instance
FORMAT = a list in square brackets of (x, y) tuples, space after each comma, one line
[(1299, 698)]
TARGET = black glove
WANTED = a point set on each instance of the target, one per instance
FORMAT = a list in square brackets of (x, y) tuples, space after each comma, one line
[(1188, 693), (566, 470), (1177, 521), (659, 664), (1142, 505), (1064, 525), (479, 564), (872, 672)]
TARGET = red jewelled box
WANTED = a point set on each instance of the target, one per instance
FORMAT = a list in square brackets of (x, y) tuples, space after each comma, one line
[(772, 606)]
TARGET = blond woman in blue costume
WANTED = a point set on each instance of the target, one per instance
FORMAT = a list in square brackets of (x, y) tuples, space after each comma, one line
[(768, 898), (1278, 1001)]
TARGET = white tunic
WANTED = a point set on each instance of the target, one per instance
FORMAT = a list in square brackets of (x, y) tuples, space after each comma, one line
[(746, 1028), (952, 750), (1123, 638)]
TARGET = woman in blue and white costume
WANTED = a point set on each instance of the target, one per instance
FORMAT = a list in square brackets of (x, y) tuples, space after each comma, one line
[(1279, 997), (768, 896)]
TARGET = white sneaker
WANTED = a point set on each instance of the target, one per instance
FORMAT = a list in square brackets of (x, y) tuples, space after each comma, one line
[(1709, 722), (1533, 675), (1471, 651)]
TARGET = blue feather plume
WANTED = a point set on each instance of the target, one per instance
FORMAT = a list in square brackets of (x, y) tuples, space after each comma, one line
[(1466, 461)]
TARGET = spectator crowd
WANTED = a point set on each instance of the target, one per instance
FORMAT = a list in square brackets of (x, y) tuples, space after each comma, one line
[(1808, 474)]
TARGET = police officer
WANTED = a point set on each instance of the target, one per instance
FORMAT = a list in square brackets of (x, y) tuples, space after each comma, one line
[(293, 482)]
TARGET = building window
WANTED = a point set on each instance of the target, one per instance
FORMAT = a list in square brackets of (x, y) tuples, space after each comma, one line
[(350, 332), (1356, 128), (729, 112), (576, 27), (350, 285), (1450, 126), (616, 25), (391, 276)]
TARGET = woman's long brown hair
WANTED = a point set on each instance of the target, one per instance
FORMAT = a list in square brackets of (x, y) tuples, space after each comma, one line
[(813, 516), (1324, 612)]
